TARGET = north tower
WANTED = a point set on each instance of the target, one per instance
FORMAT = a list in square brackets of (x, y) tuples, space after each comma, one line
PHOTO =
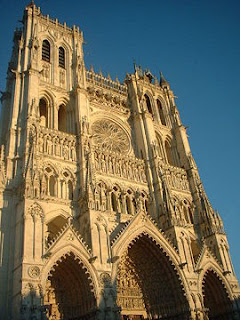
[(102, 211)]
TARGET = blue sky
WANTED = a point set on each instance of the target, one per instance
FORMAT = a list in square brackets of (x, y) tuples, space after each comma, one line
[(196, 45)]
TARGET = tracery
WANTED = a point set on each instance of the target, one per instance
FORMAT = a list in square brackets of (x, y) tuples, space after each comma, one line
[(110, 137)]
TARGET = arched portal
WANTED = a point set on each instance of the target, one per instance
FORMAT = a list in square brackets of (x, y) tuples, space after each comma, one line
[(148, 286), (216, 299), (69, 293)]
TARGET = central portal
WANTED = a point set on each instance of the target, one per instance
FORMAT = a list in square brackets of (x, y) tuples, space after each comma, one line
[(148, 286), (69, 294)]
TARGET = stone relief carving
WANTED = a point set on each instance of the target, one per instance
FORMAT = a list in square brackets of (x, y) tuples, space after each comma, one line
[(62, 78), (34, 271), (46, 72), (129, 294)]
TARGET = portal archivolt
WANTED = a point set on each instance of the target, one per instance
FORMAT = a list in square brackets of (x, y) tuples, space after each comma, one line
[(148, 286), (69, 291), (216, 299)]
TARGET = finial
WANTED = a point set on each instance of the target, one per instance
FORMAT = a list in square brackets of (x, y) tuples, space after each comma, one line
[(134, 65), (31, 4), (163, 82)]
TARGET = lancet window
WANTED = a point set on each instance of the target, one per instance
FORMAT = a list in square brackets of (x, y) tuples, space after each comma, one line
[(188, 215), (169, 153), (148, 104), (114, 202), (61, 57), (161, 114), (62, 118), (46, 50), (66, 186), (65, 118), (43, 112), (160, 148), (129, 203), (172, 154), (54, 185), (114, 199)]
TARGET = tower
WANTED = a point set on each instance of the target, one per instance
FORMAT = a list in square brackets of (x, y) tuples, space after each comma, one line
[(103, 213)]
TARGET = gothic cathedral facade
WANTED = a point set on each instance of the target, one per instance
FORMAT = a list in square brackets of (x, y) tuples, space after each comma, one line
[(102, 211)]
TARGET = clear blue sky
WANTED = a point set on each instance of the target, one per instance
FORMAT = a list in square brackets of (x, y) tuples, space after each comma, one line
[(196, 45)]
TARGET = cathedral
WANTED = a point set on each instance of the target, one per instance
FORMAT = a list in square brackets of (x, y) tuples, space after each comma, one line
[(103, 214)]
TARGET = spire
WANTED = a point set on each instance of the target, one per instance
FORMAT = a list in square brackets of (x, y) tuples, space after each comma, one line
[(163, 82)]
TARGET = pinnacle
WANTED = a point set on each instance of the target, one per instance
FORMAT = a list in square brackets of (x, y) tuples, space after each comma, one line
[(31, 4), (163, 82)]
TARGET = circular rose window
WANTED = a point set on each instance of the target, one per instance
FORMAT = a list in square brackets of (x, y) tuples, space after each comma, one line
[(109, 136)]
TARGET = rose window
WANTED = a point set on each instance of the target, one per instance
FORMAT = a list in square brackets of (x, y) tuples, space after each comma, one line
[(109, 136)]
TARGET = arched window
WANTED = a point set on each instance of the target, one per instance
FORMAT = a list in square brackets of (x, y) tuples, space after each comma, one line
[(114, 201), (70, 190), (186, 214), (146, 206), (148, 103), (62, 119), (46, 51), (190, 215), (43, 112), (169, 153), (129, 205), (52, 186), (61, 57), (160, 152), (161, 114)]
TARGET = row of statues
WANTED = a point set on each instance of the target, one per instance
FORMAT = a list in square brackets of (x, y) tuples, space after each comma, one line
[(55, 145), (117, 165)]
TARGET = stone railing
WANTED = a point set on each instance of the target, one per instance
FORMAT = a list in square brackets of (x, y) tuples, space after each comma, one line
[(119, 166), (107, 83), (176, 177), (57, 144)]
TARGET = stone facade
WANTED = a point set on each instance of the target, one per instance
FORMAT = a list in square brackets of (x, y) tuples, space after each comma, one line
[(102, 211)]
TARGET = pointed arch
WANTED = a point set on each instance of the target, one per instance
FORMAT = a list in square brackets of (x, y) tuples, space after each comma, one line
[(46, 50), (138, 227), (51, 215), (62, 118), (216, 296), (80, 254), (61, 57), (169, 154), (69, 284), (148, 271), (66, 116), (148, 103), (49, 98), (43, 112), (161, 112)]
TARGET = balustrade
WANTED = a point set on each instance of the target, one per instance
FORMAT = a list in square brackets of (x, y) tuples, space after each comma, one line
[(107, 83)]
